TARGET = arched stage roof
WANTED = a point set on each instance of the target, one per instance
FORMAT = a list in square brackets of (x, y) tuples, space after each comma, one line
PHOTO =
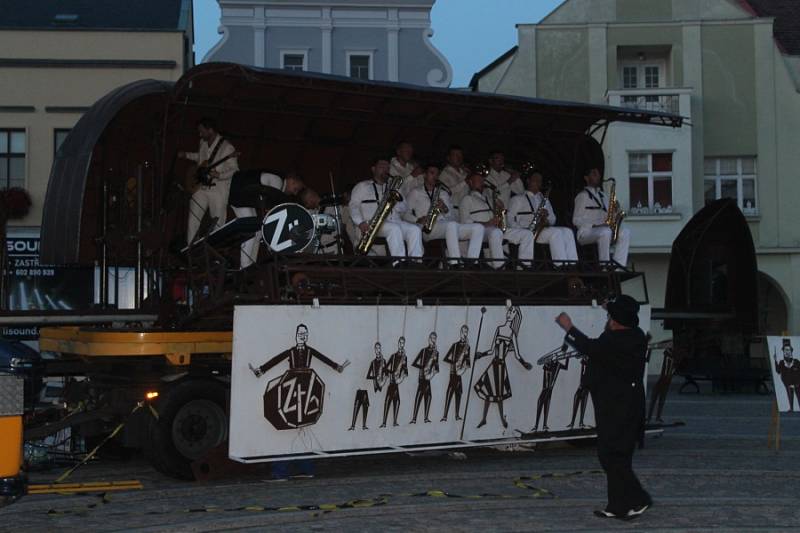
[(713, 269), (316, 124)]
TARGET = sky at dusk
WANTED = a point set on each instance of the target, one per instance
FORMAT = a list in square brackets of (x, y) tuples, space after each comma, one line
[(470, 33)]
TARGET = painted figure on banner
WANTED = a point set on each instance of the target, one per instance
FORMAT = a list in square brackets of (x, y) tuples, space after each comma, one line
[(494, 386), (295, 399), (396, 370), (458, 358), (376, 376), (580, 399), (427, 361), (789, 370), (550, 370)]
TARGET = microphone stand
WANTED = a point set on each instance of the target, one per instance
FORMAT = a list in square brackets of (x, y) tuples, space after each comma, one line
[(338, 217)]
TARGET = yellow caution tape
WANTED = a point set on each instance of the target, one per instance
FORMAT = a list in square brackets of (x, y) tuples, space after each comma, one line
[(75, 488), (383, 499)]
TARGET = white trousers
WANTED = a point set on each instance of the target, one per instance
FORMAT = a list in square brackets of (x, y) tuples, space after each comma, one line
[(215, 200), (401, 236), (249, 252), (602, 236), (453, 232), (521, 237), (561, 241)]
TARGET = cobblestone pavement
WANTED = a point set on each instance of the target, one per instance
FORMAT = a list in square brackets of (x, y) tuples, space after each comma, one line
[(714, 474)]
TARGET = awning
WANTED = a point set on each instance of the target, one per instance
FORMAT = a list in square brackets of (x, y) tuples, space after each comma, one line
[(319, 125)]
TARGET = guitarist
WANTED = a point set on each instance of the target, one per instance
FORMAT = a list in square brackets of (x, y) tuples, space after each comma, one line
[(211, 196)]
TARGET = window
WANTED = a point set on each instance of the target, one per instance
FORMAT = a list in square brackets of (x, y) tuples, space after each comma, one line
[(12, 158), (59, 134), (630, 78), (650, 183), (294, 60), (732, 177), (647, 76), (360, 66), (651, 77)]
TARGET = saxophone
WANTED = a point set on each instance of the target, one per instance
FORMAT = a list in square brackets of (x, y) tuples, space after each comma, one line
[(434, 211), (499, 212), (385, 208), (539, 220), (615, 213)]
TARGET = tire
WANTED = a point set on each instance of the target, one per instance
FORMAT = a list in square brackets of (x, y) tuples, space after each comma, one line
[(192, 421)]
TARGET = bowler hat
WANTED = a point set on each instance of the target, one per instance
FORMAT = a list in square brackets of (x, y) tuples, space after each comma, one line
[(625, 310)]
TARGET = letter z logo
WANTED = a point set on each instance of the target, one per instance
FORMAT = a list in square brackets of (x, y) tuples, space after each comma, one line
[(278, 243)]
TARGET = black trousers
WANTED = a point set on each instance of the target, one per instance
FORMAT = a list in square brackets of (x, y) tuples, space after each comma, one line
[(618, 432)]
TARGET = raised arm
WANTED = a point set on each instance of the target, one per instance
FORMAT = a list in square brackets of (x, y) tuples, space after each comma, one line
[(585, 345)]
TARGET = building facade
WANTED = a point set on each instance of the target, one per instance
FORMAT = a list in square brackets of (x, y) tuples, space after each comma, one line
[(371, 40), (732, 68), (57, 59)]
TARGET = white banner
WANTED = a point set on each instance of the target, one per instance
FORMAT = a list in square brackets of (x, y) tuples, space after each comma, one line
[(785, 372), (343, 380)]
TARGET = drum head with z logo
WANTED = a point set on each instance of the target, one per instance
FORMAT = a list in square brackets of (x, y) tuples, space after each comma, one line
[(287, 229)]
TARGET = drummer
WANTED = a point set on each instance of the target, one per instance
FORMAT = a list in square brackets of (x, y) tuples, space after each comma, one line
[(253, 189)]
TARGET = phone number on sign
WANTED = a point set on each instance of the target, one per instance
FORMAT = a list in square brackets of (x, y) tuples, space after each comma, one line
[(34, 272)]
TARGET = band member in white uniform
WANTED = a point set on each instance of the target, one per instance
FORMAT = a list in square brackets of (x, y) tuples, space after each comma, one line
[(446, 226), (290, 186), (454, 175), (591, 209), (508, 183), (477, 207), (520, 215), (214, 198), (404, 166), (364, 202)]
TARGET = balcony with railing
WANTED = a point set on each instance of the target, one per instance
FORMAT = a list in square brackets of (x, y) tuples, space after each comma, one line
[(663, 99)]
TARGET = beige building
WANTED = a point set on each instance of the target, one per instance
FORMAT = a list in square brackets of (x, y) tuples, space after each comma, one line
[(732, 68), (58, 57)]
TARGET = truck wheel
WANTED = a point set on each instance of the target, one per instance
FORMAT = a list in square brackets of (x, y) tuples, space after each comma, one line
[(191, 422)]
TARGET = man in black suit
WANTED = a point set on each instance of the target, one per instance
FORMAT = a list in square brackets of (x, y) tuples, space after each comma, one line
[(615, 379)]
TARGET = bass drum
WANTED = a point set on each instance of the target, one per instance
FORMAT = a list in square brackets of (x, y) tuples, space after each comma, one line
[(288, 229)]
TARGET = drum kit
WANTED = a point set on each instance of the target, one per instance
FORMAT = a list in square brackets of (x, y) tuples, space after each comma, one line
[(291, 229)]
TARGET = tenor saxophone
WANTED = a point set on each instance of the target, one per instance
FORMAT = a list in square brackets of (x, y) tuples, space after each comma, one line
[(615, 213), (539, 222), (434, 211), (389, 200), (500, 213)]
